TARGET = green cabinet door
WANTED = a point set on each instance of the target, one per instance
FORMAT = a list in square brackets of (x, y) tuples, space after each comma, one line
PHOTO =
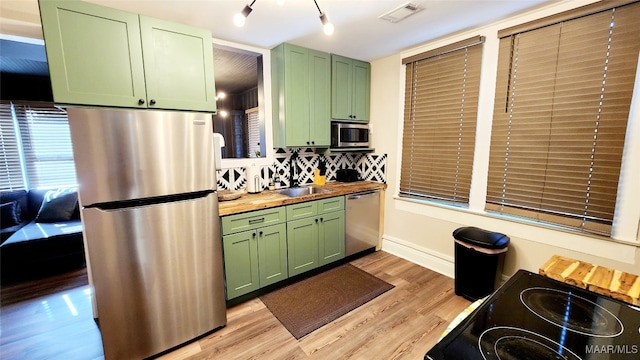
[(331, 237), (350, 89), (360, 101), (241, 263), (341, 87), (178, 65), (302, 244), (94, 54), (254, 259), (301, 92), (296, 83), (302, 210), (330, 204), (272, 254), (319, 98)]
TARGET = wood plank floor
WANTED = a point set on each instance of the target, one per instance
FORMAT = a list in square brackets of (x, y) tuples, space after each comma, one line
[(52, 320)]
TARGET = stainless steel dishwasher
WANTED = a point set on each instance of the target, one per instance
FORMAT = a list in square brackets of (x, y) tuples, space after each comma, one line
[(362, 221)]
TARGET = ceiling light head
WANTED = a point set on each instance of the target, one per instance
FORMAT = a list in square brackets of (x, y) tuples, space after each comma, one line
[(327, 26), (240, 18)]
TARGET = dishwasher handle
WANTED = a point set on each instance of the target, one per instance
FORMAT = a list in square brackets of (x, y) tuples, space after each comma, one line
[(365, 193)]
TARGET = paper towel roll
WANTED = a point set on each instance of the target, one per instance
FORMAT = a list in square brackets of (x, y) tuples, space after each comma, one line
[(254, 182)]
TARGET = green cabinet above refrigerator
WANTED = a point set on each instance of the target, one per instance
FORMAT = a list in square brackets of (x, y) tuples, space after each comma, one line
[(107, 57)]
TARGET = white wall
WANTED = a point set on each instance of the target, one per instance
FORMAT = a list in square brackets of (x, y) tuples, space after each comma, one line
[(421, 232)]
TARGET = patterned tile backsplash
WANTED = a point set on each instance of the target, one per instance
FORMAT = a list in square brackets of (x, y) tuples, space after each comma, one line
[(371, 167)]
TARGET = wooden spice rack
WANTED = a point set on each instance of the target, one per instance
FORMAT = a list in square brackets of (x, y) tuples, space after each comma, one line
[(613, 283)]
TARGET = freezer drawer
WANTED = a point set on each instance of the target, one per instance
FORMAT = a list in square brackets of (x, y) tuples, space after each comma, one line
[(362, 221), (157, 275)]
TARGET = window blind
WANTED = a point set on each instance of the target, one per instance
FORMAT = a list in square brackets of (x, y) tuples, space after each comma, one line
[(46, 143), (253, 130), (441, 101), (10, 164), (563, 93)]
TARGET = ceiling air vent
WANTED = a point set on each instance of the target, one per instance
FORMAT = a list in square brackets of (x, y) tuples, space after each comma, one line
[(400, 13)]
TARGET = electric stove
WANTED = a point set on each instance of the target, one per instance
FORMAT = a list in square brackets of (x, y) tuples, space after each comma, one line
[(535, 317)]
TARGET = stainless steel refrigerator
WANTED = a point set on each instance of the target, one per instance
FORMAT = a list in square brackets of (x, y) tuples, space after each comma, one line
[(147, 190)]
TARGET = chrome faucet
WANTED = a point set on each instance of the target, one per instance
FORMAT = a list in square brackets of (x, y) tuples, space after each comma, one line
[(293, 171)]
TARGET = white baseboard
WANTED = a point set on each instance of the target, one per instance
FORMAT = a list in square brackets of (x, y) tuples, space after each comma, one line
[(424, 257), (430, 259)]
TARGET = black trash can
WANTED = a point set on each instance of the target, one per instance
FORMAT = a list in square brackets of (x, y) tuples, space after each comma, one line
[(479, 255)]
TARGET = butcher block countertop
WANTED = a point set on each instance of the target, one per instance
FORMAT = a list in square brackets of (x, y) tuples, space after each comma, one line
[(609, 282), (269, 198)]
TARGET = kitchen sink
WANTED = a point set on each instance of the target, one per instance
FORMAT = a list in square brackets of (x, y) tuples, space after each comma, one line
[(302, 191)]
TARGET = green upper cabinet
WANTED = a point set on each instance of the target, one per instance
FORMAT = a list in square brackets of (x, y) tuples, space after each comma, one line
[(178, 65), (301, 90), (350, 89), (94, 54), (107, 57), (320, 93)]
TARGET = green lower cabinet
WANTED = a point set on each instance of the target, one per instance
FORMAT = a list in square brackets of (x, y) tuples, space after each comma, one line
[(318, 238), (254, 258), (241, 263), (330, 204), (331, 235), (302, 242), (258, 253), (272, 254)]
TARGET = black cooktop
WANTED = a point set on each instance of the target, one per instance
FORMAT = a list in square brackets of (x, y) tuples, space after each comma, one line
[(534, 317)]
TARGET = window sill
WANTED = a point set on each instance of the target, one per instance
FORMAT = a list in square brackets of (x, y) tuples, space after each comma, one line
[(605, 247)]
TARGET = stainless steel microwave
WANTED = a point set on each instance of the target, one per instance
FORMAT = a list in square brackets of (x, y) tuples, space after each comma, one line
[(349, 135)]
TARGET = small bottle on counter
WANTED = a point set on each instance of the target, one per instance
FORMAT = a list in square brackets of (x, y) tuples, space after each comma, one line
[(276, 181), (271, 185)]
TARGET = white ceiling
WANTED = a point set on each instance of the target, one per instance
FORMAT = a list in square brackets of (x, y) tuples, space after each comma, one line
[(358, 31)]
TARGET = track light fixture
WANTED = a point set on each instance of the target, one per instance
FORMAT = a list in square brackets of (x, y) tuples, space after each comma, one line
[(240, 18)]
